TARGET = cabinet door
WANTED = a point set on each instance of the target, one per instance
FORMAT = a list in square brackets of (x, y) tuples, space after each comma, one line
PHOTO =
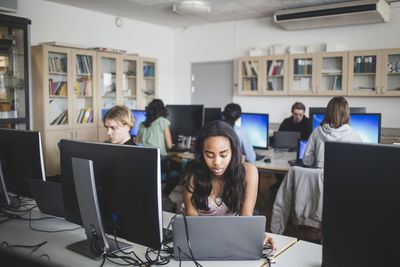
[(85, 134), (148, 82), (57, 67), (390, 72), (364, 69), (84, 93), (130, 81), (302, 75), (107, 84), (51, 150), (332, 73), (275, 75), (248, 75)]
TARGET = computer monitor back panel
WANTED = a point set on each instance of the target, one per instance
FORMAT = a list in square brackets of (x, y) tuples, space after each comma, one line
[(185, 120), (360, 223), (212, 114), (21, 157), (367, 125), (128, 188), (256, 126)]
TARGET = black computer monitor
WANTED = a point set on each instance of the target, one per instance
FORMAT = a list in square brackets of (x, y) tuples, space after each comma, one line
[(140, 116), (360, 219), (21, 157), (367, 125), (185, 120), (128, 182), (256, 126), (212, 114)]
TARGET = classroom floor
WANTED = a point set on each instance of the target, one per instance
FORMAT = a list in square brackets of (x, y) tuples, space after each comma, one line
[(264, 205)]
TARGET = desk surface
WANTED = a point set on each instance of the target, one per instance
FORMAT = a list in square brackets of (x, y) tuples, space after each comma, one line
[(279, 159), (17, 232)]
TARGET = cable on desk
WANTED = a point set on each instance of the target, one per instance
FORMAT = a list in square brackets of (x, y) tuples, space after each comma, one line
[(189, 246)]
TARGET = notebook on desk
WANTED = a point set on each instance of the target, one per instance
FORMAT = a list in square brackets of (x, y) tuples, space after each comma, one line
[(219, 237), (48, 196)]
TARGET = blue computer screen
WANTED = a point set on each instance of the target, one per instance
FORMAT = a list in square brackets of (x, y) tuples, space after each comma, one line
[(139, 115), (302, 148), (256, 127), (367, 125)]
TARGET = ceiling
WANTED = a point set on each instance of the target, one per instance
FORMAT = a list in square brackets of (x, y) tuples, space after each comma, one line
[(160, 11)]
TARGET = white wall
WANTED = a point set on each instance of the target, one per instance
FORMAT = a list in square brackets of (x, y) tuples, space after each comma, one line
[(66, 24), (224, 41)]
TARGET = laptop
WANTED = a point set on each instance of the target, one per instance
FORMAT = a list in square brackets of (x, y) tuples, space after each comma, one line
[(48, 196), (286, 140), (219, 238), (301, 147)]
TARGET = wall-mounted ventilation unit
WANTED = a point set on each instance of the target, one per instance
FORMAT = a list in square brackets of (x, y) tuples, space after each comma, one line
[(8, 6), (332, 15)]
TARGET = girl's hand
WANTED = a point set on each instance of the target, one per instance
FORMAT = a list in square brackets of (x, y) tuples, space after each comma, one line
[(269, 242)]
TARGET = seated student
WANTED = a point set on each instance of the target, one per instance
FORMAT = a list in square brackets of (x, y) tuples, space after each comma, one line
[(298, 122), (334, 127), (119, 122), (154, 131), (232, 113), (217, 182)]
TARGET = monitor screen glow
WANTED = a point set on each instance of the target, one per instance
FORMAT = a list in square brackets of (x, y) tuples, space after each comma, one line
[(256, 127), (140, 116), (302, 148), (367, 125)]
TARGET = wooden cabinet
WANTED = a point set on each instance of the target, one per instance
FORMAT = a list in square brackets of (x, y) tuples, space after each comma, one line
[(390, 79), (302, 74), (124, 80), (263, 75), (64, 97), (365, 68), (353, 73), (332, 73)]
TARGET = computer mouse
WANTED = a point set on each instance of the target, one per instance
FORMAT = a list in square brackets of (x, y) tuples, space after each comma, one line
[(267, 160)]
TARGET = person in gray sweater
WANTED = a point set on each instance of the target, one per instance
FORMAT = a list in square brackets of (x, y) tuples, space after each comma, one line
[(334, 127)]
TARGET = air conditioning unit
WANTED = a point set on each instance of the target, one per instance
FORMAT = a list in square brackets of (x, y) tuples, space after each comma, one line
[(332, 15), (8, 6)]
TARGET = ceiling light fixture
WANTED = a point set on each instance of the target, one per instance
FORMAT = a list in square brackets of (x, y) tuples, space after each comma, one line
[(192, 8)]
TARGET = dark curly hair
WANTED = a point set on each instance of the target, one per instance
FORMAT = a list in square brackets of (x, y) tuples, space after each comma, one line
[(154, 110), (231, 113), (234, 188)]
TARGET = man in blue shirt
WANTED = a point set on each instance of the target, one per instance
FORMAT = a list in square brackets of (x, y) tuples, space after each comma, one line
[(232, 112)]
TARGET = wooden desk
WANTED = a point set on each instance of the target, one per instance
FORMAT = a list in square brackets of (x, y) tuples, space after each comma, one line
[(18, 232), (279, 160)]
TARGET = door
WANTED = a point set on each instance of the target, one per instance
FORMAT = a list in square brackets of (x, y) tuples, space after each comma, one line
[(212, 83)]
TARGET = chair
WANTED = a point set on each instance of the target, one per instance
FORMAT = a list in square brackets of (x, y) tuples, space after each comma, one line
[(300, 198)]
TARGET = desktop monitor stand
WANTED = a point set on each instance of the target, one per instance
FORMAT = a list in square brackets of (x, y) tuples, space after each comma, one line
[(96, 243)]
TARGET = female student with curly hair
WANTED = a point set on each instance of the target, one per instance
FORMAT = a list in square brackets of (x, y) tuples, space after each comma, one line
[(217, 182), (154, 131)]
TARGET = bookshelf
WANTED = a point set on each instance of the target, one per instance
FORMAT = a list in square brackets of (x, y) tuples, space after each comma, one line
[(14, 72), (248, 75), (64, 98), (332, 75), (353, 73), (302, 74), (73, 88), (124, 80)]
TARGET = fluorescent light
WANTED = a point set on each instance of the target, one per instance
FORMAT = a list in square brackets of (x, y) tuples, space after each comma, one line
[(192, 8)]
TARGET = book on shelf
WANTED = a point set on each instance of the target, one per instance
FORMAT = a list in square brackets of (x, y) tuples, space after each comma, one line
[(254, 67), (62, 118), (87, 115), (270, 85), (248, 70)]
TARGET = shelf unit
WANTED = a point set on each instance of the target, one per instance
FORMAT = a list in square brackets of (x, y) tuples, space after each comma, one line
[(64, 98), (332, 73), (14, 72), (302, 74)]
